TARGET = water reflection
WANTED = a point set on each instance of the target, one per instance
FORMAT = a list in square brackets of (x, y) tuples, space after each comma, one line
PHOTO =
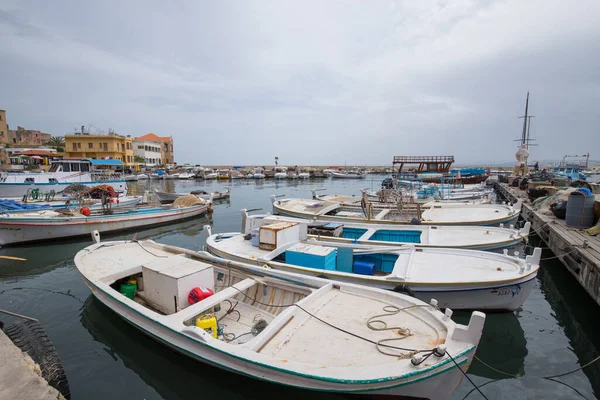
[(575, 312), (503, 345)]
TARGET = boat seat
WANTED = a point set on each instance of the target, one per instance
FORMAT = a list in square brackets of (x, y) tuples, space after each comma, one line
[(209, 302), (382, 213)]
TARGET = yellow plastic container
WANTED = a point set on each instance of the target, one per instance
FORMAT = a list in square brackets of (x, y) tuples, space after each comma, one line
[(208, 322)]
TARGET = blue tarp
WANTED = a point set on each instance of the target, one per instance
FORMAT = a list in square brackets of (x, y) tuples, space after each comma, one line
[(12, 205), (106, 162)]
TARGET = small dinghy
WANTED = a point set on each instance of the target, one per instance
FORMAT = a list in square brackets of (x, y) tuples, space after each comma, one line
[(457, 278), (167, 198), (41, 225), (426, 214), (288, 329), (369, 235)]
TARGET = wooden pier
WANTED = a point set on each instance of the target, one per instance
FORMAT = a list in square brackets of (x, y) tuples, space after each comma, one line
[(578, 251)]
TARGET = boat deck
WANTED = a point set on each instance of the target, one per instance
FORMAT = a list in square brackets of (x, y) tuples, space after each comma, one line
[(351, 313)]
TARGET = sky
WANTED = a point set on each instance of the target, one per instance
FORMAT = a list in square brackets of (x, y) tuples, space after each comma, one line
[(312, 82)]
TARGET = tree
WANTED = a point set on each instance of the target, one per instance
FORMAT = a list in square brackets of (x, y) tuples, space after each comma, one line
[(139, 159), (58, 142)]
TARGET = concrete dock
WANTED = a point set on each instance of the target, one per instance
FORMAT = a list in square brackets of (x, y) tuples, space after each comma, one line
[(20, 376), (578, 251)]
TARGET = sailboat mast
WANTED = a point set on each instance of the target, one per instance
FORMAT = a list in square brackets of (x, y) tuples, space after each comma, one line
[(524, 135)]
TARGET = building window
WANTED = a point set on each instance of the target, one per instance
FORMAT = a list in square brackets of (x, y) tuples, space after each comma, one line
[(105, 146), (140, 147), (123, 147), (90, 145), (0, 117), (74, 146), (78, 145)]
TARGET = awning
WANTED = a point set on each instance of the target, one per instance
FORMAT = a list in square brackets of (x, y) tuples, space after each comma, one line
[(105, 162)]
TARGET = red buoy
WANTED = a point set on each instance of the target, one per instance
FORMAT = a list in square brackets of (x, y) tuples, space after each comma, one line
[(85, 211), (199, 293)]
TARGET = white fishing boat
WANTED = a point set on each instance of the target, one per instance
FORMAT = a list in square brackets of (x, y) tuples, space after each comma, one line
[(171, 176), (166, 197), (31, 226), (85, 171), (456, 278), (430, 213), (186, 175), (369, 235), (348, 175), (286, 329), (250, 176), (258, 173), (142, 177), (303, 175), (280, 173), (235, 174), (156, 176), (211, 175)]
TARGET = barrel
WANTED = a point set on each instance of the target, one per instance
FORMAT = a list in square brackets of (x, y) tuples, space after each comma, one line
[(580, 210)]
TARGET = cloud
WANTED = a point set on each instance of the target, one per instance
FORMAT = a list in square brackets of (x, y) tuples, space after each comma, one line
[(313, 82)]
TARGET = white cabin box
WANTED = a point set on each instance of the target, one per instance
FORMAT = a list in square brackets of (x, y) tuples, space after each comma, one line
[(168, 281), (278, 234)]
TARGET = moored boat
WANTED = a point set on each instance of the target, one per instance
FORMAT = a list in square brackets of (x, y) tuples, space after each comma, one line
[(85, 171), (41, 225), (348, 175), (456, 278), (369, 235), (287, 329), (427, 214)]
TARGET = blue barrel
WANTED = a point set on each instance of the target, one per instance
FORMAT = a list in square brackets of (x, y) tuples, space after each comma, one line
[(580, 210)]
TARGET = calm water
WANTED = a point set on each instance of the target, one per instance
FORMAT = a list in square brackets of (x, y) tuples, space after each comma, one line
[(105, 358)]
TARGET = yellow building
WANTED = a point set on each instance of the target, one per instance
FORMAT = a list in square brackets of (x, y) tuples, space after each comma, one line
[(112, 145)]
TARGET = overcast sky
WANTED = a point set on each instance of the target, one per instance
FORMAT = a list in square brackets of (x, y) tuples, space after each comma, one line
[(313, 82)]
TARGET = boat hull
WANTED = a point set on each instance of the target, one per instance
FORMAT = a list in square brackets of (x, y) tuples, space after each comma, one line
[(16, 231), (436, 384)]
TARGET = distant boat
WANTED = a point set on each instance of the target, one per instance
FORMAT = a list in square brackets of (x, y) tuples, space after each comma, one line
[(142, 177), (258, 173), (348, 175), (211, 175), (303, 175), (17, 228), (186, 175), (132, 177), (288, 329)]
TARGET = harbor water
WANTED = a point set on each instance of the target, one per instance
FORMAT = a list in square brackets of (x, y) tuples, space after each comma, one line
[(554, 332)]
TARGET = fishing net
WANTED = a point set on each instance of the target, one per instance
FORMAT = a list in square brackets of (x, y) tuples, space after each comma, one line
[(75, 188), (97, 191), (545, 204), (188, 201)]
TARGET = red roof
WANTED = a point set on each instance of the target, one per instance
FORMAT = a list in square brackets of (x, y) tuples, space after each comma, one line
[(154, 138), (36, 153)]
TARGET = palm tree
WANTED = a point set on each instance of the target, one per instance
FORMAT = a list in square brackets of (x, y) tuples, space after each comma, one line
[(57, 141)]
